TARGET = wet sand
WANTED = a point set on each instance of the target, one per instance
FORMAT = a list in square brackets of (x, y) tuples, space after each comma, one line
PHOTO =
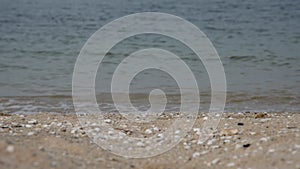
[(242, 140)]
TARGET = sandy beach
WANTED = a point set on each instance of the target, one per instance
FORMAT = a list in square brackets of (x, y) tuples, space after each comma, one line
[(242, 140)]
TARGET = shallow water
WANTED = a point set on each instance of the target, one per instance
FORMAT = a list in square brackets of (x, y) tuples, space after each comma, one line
[(258, 43)]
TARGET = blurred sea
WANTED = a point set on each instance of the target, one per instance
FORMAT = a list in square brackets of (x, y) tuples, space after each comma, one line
[(258, 42)]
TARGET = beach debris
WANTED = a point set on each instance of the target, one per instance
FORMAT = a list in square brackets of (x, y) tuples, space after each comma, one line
[(10, 148), (260, 115)]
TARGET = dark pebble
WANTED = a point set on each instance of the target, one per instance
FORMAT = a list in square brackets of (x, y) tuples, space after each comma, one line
[(240, 124), (246, 145)]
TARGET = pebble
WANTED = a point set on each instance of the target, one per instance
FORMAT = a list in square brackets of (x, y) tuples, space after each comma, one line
[(200, 142), (30, 133), (177, 131), (148, 131), (53, 123), (264, 139), (246, 145), (252, 133), (155, 129), (230, 164), (227, 141), (28, 126), (215, 161), (210, 142), (271, 151), (45, 126), (107, 120), (10, 148), (196, 154), (32, 121), (230, 132), (198, 131)]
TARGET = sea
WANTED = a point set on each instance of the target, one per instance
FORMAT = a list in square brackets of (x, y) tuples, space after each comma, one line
[(258, 43)]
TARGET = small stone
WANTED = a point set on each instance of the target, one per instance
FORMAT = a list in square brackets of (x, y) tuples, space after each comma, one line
[(210, 142), (200, 142), (215, 161), (63, 129), (28, 126), (32, 121), (30, 133), (53, 123), (10, 148), (196, 154), (160, 135), (148, 131), (155, 129), (227, 141), (45, 126), (230, 164), (230, 132), (240, 124), (107, 120), (271, 151), (264, 139), (252, 133), (246, 145)]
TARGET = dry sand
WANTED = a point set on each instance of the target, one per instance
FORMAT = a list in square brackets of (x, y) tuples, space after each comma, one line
[(243, 140)]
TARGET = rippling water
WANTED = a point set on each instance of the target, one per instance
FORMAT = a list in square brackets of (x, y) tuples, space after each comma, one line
[(258, 42)]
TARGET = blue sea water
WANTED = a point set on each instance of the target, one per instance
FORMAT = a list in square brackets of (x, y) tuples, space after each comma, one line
[(258, 43)]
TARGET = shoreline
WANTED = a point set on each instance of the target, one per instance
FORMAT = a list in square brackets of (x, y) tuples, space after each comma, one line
[(242, 140)]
